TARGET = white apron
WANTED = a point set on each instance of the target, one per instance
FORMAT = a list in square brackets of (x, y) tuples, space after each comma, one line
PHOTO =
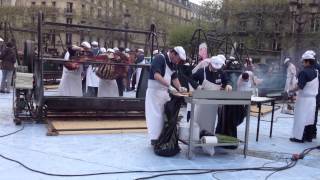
[(71, 81), (305, 107), (108, 88), (291, 80), (245, 86), (138, 74), (92, 79), (205, 115), (157, 95)]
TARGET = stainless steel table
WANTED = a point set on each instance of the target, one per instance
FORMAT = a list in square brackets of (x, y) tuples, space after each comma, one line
[(220, 98)]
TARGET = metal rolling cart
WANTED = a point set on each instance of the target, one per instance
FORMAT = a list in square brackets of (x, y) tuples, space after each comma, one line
[(219, 98)]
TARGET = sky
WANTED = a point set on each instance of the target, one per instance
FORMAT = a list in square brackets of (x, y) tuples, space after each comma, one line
[(196, 1)]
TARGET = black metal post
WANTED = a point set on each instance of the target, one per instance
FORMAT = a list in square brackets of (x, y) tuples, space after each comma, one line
[(126, 27)]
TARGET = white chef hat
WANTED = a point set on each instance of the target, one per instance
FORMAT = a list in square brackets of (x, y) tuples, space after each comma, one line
[(141, 50), (181, 52), (155, 52), (286, 60), (116, 49), (217, 62), (94, 43), (86, 44), (103, 50), (127, 50), (222, 57), (308, 55), (1, 40), (311, 52), (109, 50), (232, 58)]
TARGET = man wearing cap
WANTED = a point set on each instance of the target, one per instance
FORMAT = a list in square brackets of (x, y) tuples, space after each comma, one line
[(71, 81), (92, 80), (305, 105), (139, 61), (162, 78), (8, 58), (210, 78)]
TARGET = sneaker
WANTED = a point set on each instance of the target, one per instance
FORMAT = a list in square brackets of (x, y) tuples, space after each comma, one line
[(2, 91), (296, 140)]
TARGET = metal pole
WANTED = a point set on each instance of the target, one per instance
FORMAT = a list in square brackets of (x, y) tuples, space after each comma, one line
[(126, 35)]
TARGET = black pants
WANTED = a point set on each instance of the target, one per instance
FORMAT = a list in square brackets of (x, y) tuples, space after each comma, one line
[(92, 92), (308, 133), (120, 86), (314, 127)]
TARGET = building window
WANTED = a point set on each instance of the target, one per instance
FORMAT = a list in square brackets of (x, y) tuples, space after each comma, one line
[(276, 46), (69, 7), (243, 25), (99, 13), (68, 38), (315, 24), (43, 3), (33, 3), (69, 20), (260, 23), (54, 4)]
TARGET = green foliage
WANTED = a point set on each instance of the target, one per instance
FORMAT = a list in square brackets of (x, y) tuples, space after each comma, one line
[(181, 35)]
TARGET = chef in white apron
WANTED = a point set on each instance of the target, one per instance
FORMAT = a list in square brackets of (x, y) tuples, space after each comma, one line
[(71, 81), (161, 75), (92, 80), (214, 79), (108, 88), (291, 79), (247, 81), (140, 60), (305, 105)]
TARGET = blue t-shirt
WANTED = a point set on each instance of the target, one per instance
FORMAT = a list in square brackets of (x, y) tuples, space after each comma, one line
[(158, 65), (306, 75)]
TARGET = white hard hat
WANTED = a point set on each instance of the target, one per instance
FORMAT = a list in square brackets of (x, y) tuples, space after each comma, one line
[(94, 43), (308, 55), (109, 50), (127, 50), (86, 44), (141, 50), (1, 40), (286, 60), (155, 52), (232, 58), (116, 49), (181, 52), (103, 50), (217, 62)]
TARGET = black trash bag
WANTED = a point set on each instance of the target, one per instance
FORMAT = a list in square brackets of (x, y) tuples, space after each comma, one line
[(167, 144)]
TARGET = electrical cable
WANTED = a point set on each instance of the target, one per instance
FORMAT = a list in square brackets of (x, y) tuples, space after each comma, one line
[(172, 172), (15, 132)]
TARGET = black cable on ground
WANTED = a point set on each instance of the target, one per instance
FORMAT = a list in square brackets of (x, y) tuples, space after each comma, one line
[(174, 172), (15, 132)]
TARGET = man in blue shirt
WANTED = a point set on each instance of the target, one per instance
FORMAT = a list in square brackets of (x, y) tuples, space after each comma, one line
[(162, 78)]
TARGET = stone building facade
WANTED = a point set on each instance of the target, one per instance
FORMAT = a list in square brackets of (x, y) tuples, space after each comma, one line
[(104, 13)]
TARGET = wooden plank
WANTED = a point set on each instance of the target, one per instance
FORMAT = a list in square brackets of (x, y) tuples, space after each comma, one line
[(56, 127), (98, 124)]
